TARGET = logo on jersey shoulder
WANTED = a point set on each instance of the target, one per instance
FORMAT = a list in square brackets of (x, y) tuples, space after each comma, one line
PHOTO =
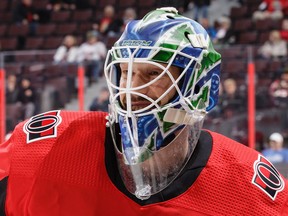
[(42, 126), (267, 178)]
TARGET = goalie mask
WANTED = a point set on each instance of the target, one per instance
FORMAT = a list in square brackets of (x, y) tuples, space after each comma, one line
[(163, 76)]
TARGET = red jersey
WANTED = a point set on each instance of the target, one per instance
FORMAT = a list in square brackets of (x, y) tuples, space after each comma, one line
[(56, 165)]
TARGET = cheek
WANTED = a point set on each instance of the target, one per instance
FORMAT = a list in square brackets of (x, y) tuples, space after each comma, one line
[(158, 89), (162, 84), (122, 100), (161, 89), (122, 82), (170, 95)]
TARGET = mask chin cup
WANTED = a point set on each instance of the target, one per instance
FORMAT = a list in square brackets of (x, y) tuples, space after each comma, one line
[(143, 192)]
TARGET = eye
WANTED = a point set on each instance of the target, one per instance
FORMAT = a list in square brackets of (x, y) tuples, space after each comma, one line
[(154, 73)]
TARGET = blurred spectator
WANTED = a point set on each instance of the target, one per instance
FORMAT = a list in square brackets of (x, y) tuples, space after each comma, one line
[(128, 15), (100, 103), (57, 5), (275, 47), (27, 98), (224, 32), (201, 9), (12, 89), (26, 14), (275, 153), (211, 30), (242, 2), (284, 29), (108, 24), (270, 9), (181, 6), (83, 4), (263, 99), (13, 108), (285, 7), (68, 51), (92, 53), (279, 90), (232, 101)]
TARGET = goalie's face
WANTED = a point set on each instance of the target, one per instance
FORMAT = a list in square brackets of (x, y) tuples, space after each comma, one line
[(142, 74)]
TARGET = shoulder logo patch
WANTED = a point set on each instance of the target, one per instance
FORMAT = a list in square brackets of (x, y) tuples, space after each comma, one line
[(42, 126), (267, 178)]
